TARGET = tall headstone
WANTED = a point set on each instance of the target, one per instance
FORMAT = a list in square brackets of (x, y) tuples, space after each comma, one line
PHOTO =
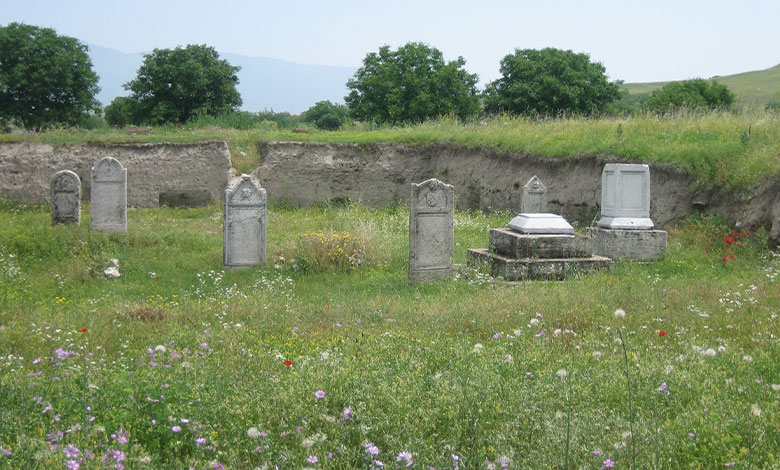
[(625, 197), (108, 196), (431, 232), (244, 242), (66, 198), (625, 229), (534, 199)]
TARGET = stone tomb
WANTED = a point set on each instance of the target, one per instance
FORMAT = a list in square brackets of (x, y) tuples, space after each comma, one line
[(431, 230), (108, 196), (66, 198), (534, 198), (244, 242), (537, 246), (625, 227)]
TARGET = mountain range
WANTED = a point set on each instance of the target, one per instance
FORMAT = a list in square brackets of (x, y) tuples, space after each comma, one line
[(265, 84)]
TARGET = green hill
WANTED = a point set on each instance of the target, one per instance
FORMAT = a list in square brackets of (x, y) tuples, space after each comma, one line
[(753, 89)]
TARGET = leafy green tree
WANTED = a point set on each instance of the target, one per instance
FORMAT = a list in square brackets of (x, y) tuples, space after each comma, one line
[(326, 115), (411, 84), (690, 94), (549, 82), (175, 85), (119, 112), (45, 79)]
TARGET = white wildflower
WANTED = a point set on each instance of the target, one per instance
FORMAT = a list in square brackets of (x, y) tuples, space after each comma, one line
[(747, 358), (160, 348), (755, 410), (253, 432), (534, 322), (597, 354), (478, 348), (620, 313), (562, 373), (709, 352)]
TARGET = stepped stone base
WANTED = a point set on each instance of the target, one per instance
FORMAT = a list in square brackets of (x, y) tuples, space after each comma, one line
[(638, 245), (514, 269), (520, 245)]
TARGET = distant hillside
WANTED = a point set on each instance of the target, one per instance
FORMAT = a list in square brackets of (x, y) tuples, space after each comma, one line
[(753, 89), (264, 84)]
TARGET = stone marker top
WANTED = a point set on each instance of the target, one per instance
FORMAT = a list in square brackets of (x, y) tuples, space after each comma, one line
[(65, 181), (541, 224), (109, 169), (534, 198), (433, 195), (246, 193)]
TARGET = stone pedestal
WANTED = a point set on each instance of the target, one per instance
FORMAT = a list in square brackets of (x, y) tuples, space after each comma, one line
[(521, 256), (638, 245)]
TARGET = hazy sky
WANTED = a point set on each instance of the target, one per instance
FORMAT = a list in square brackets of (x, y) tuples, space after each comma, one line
[(637, 41)]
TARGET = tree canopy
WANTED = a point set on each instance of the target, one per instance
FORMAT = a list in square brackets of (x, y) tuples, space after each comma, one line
[(549, 82), (326, 115), (690, 94), (175, 85), (411, 84), (45, 79)]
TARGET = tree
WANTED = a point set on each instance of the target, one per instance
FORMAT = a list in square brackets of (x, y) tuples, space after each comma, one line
[(175, 85), (690, 94), (326, 115), (119, 112), (549, 82), (411, 84), (45, 78)]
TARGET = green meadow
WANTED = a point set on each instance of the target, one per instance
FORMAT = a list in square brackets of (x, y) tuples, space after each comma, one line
[(326, 357)]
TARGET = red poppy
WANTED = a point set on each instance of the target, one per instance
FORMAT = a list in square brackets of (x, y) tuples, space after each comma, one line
[(84, 330), (288, 363), (406, 350), (661, 333), (156, 278)]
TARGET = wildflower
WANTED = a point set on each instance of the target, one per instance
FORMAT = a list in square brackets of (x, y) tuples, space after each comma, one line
[(608, 464), (559, 415), (319, 394), (596, 452), (534, 322), (71, 452), (176, 428), (747, 358), (200, 441), (347, 413), (562, 373), (478, 348), (709, 352), (729, 464), (619, 313), (5, 451), (755, 410), (404, 457), (597, 354), (776, 387), (496, 335), (371, 449), (312, 459), (72, 464), (253, 432), (662, 333), (160, 348), (83, 330)]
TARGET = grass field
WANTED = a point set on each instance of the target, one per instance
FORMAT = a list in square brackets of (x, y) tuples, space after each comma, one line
[(752, 89), (316, 364), (724, 150)]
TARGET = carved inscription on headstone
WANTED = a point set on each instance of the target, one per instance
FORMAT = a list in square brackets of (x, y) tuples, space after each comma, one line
[(534, 199), (244, 242), (431, 235), (66, 198), (108, 196)]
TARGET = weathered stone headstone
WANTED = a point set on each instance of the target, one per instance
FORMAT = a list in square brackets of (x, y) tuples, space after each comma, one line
[(66, 198), (625, 228), (534, 198), (244, 242), (431, 232), (108, 196), (625, 197)]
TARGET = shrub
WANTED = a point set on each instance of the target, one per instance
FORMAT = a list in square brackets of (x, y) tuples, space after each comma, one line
[(690, 94)]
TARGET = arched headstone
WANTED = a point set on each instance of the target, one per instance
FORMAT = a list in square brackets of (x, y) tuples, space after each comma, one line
[(108, 196), (244, 242), (431, 234), (66, 198), (534, 199)]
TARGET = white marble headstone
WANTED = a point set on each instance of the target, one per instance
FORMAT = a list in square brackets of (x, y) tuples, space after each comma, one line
[(431, 230), (625, 197), (108, 196), (66, 198), (534, 199), (541, 224), (244, 242)]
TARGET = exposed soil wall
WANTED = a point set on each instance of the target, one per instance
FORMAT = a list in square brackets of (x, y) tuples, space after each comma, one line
[(26, 168)]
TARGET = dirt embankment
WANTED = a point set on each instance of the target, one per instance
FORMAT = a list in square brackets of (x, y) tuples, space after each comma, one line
[(489, 178)]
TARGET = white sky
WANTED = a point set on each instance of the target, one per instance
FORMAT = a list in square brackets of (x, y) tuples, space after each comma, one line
[(637, 41)]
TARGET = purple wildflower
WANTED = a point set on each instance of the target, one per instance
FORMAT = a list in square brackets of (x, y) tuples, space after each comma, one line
[(347, 413), (608, 464), (371, 449), (71, 452), (404, 457), (312, 459), (319, 394), (200, 441), (176, 428), (5, 451), (73, 464)]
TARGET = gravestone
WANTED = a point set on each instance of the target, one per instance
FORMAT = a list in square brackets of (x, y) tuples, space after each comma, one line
[(548, 224), (625, 197), (244, 242), (534, 198), (66, 198), (625, 229), (108, 196), (431, 230)]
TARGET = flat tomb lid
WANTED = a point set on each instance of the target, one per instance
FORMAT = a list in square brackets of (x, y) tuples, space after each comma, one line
[(541, 224)]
